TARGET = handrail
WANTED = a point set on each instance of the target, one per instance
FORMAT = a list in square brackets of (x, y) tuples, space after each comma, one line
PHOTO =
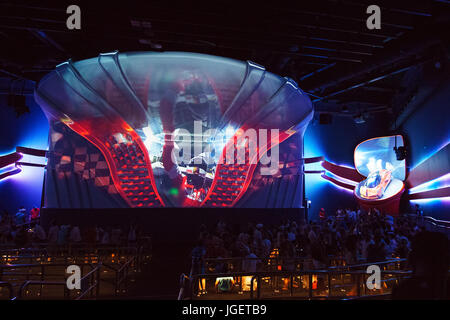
[(95, 282), (436, 222), (93, 276), (36, 272), (9, 287), (351, 266), (296, 260), (439, 223), (183, 279), (256, 276), (41, 283), (121, 273), (268, 261)]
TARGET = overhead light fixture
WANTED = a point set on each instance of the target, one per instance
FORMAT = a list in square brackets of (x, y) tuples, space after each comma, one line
[(345, 109), (359, 119)]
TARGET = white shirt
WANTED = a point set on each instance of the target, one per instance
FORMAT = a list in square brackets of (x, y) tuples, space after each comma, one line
[(249, 263), (53, 234), (75, 235), (40, 233)]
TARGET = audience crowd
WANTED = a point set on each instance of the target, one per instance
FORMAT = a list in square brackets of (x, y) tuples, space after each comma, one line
[(355, 235), (24, 228)]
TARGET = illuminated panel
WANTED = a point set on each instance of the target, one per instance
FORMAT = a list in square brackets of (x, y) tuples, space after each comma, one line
[(431, 200), (437, 183), (437, 193), (432, 168), (338, 183), (344, 172)]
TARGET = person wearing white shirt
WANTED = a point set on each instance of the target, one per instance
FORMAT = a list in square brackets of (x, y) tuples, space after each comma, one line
[(39, 233), (75, 235), (53, 233)]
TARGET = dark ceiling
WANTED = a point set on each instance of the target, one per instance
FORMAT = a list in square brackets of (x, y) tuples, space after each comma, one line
[(324, 45)]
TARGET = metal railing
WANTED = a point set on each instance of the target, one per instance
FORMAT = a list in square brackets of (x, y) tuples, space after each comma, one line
[(90, 285), (297, 284), (358, 282), (397, 264), (122, 273), (43, 269), (9, 287), (44, 275), (234, 264), (188, 284)]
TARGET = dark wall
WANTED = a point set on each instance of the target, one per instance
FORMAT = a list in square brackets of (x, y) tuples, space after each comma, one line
[(427, 129)]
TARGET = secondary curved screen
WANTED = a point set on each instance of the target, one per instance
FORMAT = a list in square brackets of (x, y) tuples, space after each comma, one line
[(378, 154)]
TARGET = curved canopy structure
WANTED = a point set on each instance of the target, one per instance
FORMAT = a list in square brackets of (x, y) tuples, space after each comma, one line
[(164, 121)]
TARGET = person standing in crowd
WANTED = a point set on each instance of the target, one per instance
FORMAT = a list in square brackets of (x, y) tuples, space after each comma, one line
[(75, 235), (322, 215), (39, 233), (116, 235), (53, 232), (105, 236), (35, 213), (22, 237), (21, 216), (63, 234), (419, 212), (250, 262), (132, 237)]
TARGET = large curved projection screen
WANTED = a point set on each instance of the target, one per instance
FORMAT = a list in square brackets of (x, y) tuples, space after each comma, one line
[(154, 129)]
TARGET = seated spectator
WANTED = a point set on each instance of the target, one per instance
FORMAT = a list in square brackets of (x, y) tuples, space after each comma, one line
[(21, 238), (75, 235), (53, 232), (132, 237), (250, 262), (39, 233), (198, 258), (21, 216), (63, 234), (105, 237), (116, 235)]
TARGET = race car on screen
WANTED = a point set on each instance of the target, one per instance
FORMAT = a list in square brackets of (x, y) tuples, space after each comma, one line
[(376, 183)]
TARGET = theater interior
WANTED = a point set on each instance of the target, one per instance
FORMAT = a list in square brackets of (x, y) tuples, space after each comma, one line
[(214, 151)]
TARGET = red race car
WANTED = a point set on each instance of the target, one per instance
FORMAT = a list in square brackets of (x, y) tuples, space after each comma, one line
[(376, 183)]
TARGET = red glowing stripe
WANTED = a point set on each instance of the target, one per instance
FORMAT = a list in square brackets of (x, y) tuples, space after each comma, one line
[(101, 145), (283, 135)]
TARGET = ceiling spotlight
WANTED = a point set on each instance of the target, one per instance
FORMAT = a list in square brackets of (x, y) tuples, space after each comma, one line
[(359, 119)]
